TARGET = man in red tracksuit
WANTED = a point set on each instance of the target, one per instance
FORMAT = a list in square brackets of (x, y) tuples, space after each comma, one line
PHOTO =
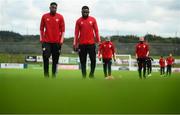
[(106, 52), (84, 40), (162, 62), (170, 62), (142, 52), (52, 30)]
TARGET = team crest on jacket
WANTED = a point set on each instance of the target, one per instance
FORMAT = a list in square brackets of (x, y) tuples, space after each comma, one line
[(82, 23), (47, 19), (90, 22), (57, 19)]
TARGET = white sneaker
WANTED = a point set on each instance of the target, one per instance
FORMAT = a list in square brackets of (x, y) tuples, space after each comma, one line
[(111, 77), (149, 75)]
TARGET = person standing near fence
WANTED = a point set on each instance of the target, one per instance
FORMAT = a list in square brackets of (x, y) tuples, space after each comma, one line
[(52, 30)]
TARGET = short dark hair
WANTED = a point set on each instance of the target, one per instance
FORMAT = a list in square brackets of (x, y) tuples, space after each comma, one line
[(85, 7), (53, 3)]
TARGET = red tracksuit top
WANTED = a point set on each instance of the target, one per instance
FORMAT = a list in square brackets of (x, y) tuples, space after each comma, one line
[(85, 30), (162, 62), (51, 28), (142, 50), (107, 50), (170, 60)]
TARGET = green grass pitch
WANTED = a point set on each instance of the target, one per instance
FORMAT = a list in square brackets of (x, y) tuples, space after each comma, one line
[(27, 91)]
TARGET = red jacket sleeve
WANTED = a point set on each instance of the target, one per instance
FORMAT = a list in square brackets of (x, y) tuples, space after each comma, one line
[(147, 50), (76, 36), (113, 49), (96, 31), (159, 61), (100, 50), (62, 27), (42, 25)]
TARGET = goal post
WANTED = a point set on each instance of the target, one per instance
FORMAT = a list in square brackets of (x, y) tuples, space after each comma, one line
[(124, 61)]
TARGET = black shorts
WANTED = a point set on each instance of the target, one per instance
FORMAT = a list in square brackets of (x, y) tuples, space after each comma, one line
[(51, 49)]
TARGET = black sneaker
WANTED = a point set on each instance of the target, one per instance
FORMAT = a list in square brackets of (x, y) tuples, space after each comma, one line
[(91, 76)]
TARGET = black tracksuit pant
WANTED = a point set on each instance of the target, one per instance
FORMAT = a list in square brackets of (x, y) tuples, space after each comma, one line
[(141, 65), (149, 68), (162, 70), (49, 49), (83, 51), (168, 72), (107, 66)]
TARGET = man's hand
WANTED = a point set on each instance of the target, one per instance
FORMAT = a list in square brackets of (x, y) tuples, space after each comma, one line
[(99, 43), (136, 56), (114, 58), (99, 56), (75, 48), (137, 59), (60, 44)]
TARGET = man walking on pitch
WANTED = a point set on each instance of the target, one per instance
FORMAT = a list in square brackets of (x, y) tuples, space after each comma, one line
[(162, 62), (52, 30), (170, 62), (84, 40), (106, 52), (142, 52)]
